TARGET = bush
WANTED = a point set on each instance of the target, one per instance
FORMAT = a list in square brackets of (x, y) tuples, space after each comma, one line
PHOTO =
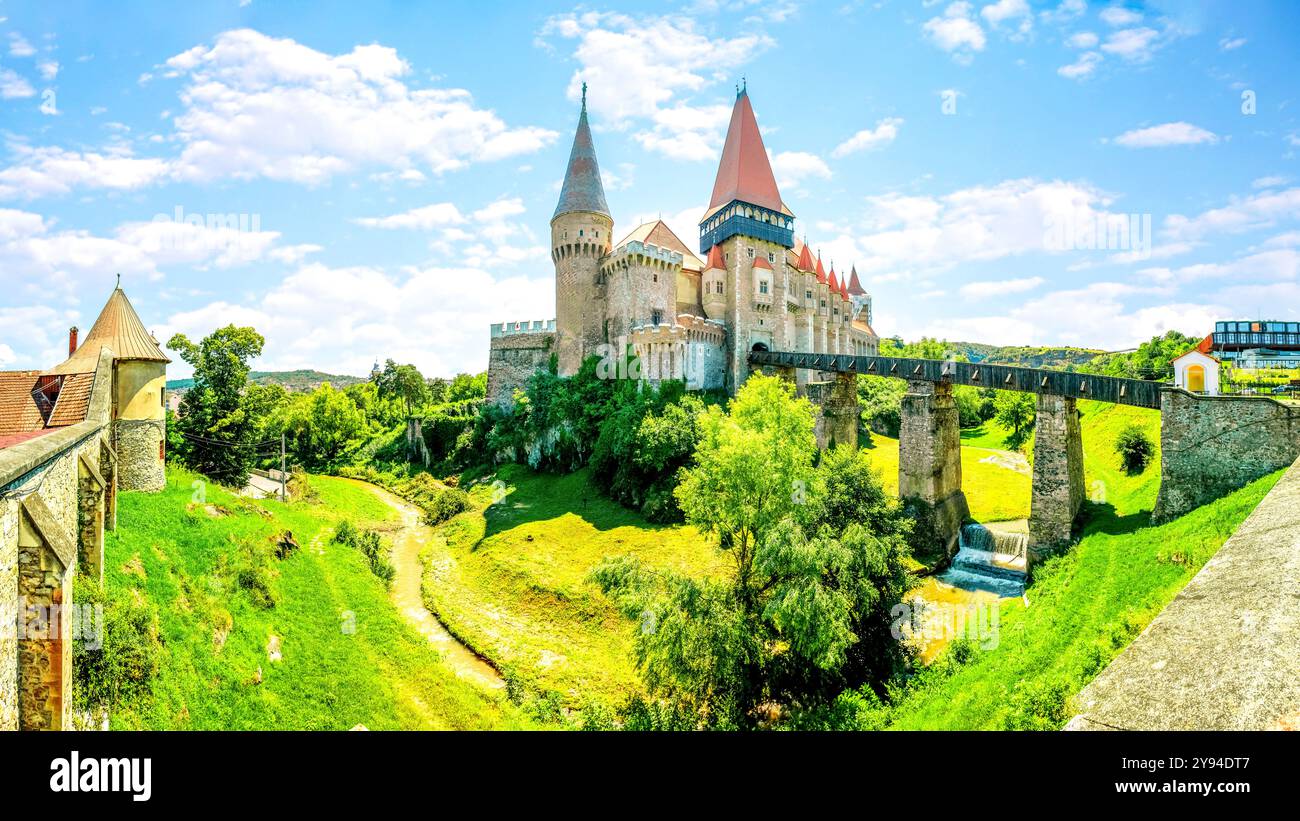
[(1135, 448), (371, 545), (447, 503), (117, 662)]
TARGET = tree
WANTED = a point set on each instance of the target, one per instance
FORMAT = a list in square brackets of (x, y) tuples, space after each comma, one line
[(321, 426), (403, 383), (466, 387), (1135, 448), (220, 417), (1016, 411), (817, 563)]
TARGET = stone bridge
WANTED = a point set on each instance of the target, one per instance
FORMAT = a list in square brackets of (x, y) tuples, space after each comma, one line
[(1210, 445)]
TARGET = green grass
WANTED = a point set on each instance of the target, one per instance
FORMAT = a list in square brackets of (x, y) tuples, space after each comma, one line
[(168, 550), (994, 493), (511, 579), (1084, 607)]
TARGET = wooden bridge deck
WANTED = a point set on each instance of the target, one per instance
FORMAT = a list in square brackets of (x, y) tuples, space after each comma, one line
[(1137, 392)]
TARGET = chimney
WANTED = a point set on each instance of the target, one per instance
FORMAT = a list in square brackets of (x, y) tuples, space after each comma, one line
[(72, 340)]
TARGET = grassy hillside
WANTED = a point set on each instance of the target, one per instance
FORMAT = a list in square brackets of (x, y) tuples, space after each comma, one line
[(995, 490), (1083, 609), (348, 657), (1026, 356), (511, 580)]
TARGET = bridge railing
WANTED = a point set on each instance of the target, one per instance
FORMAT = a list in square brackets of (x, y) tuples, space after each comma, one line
[(1137, 392)]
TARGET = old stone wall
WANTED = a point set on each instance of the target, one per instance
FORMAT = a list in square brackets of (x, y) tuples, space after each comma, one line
[(1058, 488), (139, 444), (929, 461), (838, 411), (513, 359), (1212, 445)]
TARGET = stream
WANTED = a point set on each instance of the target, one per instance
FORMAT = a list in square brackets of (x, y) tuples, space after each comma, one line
[(408, 542)]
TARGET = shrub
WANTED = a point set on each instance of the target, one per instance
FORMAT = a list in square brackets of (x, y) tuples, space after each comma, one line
[(371, 545), (1135, 448), (119, 662), (448, 503)]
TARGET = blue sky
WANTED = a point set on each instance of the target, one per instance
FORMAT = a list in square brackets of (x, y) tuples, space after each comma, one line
[(392, 167)]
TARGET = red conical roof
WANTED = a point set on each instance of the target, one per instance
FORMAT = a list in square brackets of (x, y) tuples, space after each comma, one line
[(821, 272), (744, 172), (835, 283), (715, 259), (805, 259), (761, 262), (855, 287)]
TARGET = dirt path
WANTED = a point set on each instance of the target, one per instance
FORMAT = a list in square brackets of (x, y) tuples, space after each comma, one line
[(408, 542)]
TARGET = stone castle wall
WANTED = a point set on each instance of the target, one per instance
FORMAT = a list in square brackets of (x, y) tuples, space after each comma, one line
[(838, 411), (1212, 445), (515, 358), (140, 445)]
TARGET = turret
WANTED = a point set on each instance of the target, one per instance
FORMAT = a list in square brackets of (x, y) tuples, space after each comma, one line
[(714, 285), (581, 234)]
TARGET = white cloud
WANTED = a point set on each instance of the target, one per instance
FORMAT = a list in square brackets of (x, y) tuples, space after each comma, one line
[(1159, 136), (792, 168), (1082, 67), (13, 86), (329, 114), (983, 290), (487, 237), (1082, 39), (643, 73), (1004, 11), (294, 254), (885, 132), (49, 69), (1120, 16), (1270, 182), (1135, 45), (343, 319), (1280, 264), (1263, 210), (424, 218), (956, 30), (40, 172), (1232, 43), (1068, 10), (19, 47)]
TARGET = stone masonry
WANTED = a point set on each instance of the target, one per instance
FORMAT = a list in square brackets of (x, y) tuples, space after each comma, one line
[(514, 358), (1058, 488), (1212, 445), (838, 410), (929, 463)]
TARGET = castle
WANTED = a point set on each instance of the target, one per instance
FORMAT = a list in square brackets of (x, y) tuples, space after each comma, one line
[(753, 286), (71, 437)]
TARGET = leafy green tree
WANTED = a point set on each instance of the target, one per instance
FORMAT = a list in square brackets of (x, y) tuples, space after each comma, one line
[(219, 417), (816, 566), (405, 384), (1152, 359), (320, 427), (467, 387), (1135, 448), (1016, 411)]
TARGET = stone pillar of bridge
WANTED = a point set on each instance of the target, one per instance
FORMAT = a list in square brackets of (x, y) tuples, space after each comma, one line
[(1058, 489), (838, 411), (929, 463)]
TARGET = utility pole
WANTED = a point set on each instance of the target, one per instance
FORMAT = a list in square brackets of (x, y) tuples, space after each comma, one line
[(284, 484)]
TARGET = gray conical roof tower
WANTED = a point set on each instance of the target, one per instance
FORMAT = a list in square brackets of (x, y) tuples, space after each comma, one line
[(582, 189)]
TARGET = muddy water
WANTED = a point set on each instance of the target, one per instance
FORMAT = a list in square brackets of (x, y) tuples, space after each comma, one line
[(408, 542)]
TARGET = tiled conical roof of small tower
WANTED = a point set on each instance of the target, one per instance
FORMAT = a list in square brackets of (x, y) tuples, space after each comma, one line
[(120, 330), (744, 172), (821, 272), (835, 283), (582, 190), (805, 259), (715, 259), (855, 287)]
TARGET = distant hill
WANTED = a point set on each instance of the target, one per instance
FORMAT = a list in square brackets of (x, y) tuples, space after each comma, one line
[(292, 381), (1026, 355)]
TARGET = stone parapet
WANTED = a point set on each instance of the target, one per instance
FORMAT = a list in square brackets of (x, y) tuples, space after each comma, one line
[(513, 359)]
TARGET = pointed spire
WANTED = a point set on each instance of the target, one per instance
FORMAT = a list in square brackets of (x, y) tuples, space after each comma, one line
[(821, 272), (119, 329), (715, 259), (835, 283), (855, 287), (744, 172), (582, 189), (805, 258)]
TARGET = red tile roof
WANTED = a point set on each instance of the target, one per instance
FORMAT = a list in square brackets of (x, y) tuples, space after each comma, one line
[(821, 272), (744, 173), (1205, 346), (761, 262), (8, 440), (805, 259), (835, 283), (18, 411), (715, 258)]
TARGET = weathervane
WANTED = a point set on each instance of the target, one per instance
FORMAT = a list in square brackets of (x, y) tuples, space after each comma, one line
[(584, 94)]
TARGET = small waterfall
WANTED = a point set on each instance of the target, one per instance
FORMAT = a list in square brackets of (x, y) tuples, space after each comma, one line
[(988, 559)]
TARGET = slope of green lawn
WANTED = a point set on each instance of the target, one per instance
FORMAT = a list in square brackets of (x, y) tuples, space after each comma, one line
[(348, 656), (1084, 607), (511, 579), (994, 491)]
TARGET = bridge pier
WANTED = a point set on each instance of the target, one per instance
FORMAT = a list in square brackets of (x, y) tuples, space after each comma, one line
[(838, 412), (929, 462), (1058, 488)]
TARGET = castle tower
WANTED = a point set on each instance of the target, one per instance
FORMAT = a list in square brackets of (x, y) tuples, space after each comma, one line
[(581, 235), (753, 227), (861, 299), (139, 391)]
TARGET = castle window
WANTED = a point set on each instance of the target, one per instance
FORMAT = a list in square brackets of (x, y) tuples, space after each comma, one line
[(719, 286), (656, 317), (823, 303), (656, 276), (807, 294), (771, 257), (762, 286), (579, 232), (751, 252)]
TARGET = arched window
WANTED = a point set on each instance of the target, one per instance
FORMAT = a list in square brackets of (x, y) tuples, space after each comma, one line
[(1196, 378)]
